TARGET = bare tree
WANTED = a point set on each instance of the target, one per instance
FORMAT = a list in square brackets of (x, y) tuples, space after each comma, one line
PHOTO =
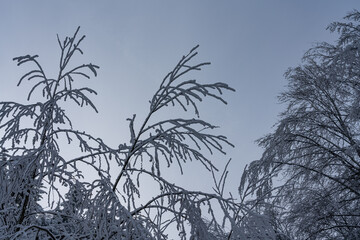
[(315, 147), (33, 167)]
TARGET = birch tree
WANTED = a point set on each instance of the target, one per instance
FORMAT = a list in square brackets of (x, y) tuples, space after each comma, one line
[(33, 167), (315, 150)]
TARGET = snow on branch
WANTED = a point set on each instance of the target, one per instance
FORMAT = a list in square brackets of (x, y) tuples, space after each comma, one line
[(85, 200)]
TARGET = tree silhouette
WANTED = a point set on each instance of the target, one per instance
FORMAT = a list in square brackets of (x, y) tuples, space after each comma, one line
[(33, 166), (315, 147)]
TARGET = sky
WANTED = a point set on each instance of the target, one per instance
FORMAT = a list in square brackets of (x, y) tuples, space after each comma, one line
[(249, 43)]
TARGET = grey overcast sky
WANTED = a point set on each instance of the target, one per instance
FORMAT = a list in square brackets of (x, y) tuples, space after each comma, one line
[(249, 43)]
